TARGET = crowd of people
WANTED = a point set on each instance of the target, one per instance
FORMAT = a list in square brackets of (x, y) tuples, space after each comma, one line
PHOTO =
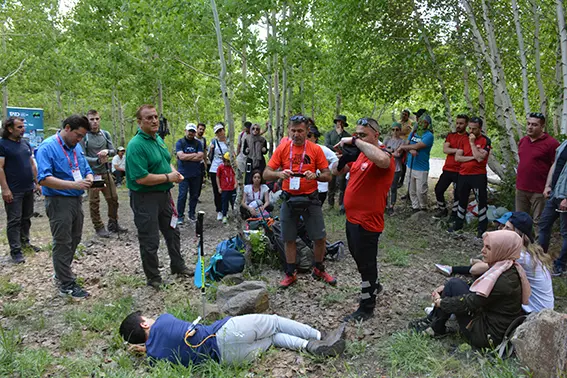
[(364, 172)]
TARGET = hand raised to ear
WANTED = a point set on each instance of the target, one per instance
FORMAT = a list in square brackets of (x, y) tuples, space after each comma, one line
[(137, 348)]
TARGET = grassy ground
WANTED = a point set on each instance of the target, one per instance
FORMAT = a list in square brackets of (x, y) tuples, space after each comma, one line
[(44, 335)]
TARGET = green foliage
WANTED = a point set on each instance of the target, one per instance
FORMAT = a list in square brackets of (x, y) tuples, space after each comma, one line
[(506, 194), (18, 361), (19, 308), (396, 255), (8, 288)]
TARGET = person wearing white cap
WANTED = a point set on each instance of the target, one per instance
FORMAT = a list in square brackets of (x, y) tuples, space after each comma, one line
[(217, 149), (119, 165), (189, 152)]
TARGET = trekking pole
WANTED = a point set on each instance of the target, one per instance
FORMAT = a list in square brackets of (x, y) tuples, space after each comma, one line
[(199, 279)]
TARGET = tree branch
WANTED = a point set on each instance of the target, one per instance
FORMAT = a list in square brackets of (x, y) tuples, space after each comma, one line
[(3, 79), (195, 69)]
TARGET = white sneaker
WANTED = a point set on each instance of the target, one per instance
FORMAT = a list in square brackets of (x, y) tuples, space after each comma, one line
[(219, 216), (444, 269)]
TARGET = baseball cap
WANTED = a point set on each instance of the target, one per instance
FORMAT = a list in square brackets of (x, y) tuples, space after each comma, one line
[(504, 218), (396, 124), (121, 148), (191, 127), (218, 127), (226, 156), (419, 113), (523, 222)]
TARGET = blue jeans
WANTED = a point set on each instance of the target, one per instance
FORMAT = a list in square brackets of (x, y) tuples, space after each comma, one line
[(226, 197), (548, 217), (191, 185)]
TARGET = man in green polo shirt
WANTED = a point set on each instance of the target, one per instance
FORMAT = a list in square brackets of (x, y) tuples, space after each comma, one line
[(150, 176)]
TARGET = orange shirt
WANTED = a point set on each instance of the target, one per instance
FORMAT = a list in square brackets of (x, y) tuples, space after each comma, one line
[(313, 160), (366, 193)]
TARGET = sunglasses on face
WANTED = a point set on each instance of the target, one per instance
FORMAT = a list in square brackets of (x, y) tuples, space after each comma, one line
[(396, 129), (365, 122), (255, 128), (298, 119)]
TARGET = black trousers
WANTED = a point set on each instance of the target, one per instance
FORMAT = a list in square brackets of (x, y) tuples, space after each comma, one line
[(445, 180), (152, 214), (453, 288), (216, 194), (363, 246), (478, 184), (322, 197), (18, 214), (337, 184)]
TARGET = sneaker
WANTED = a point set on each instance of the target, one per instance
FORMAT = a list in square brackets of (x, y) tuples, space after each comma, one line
[(288, 281), (440, 214), (326, 348), (101, 232), (224, 220), (113, 226), (192, 218), (420, 325), (18, 258), (324, 276), (557, 272), (429, 310), (158, 283), (56, 281), (445, 270), (180, 222), (359, 315), (73, 291), (185, 272), (219, 216), (32, 247)]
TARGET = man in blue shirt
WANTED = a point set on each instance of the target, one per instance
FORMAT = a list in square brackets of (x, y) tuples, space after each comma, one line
[(18, 178), (419, 148), (230, 340), (189, 153), (65, 175)]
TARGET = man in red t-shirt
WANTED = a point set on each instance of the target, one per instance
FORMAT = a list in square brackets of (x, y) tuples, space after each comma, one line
[(537, 154), (299, 160), (473, 156), (451, 168), (371, 174)]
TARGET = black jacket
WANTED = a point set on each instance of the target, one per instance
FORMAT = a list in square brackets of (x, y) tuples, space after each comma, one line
[(490, 316)]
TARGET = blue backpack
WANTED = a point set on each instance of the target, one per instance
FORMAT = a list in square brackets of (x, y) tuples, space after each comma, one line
[(228, 259)]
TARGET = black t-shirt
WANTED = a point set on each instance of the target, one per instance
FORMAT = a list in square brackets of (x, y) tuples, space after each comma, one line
[(17, 165), (559, 167)]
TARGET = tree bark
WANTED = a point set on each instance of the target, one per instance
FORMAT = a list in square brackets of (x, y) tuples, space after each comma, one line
[(302, 89), (338, 104), (222, 79), (480, 83), (467, 87), (539, 79), (276, 80), (270, 96), (113, 111), (563, 44), (121, 122), (523, 60), (160, 98), (244, 67)]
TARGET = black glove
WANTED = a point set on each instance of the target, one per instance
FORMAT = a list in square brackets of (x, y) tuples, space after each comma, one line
[(350, 154)]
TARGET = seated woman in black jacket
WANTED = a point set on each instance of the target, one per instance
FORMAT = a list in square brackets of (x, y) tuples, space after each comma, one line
[(487, 308)]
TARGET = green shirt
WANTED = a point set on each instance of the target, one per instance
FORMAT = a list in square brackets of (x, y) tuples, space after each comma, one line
[(147, 155)]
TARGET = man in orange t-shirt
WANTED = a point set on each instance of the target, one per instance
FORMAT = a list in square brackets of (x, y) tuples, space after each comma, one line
[(371, 175), (298, 160)]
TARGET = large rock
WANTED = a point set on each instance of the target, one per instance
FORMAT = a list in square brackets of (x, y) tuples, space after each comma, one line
[(541, 343), (248, 297)]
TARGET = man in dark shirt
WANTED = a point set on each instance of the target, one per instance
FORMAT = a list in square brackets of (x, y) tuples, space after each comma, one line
[(338, 183), (18, 178), (190, 154), (229, 340)]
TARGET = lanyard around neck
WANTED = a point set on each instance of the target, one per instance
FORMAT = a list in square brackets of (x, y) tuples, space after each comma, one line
[(291, 156)]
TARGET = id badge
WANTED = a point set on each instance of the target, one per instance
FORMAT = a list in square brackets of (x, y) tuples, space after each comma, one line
[(77, 175), (97, 178), (294, 183), (173, 222)]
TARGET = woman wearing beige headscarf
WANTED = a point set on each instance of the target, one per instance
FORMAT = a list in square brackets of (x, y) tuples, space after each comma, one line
[(486, 308)]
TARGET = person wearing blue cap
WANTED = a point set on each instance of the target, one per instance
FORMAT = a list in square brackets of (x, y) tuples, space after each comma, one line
[(419, 148), (536, 263)]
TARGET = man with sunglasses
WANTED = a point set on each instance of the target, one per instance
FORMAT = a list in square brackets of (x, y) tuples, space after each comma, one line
[(451, 168), (419, 148), (338, 183), (296, 163), (371, 170), (537, 154), (18, 179)]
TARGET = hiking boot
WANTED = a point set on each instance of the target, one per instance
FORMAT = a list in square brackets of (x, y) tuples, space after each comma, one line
[(185, 272), (324, 276), (158, 283), (288, 281), (73, 291), (445, 270), (32, 247), (101, 232), (334, 335), (113, 226), (440, 214), (420, 325), (18, 257), (219, 216), (361, 314), (326, 348)]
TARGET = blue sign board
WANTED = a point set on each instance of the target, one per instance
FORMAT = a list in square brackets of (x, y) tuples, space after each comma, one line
[(33, 121)]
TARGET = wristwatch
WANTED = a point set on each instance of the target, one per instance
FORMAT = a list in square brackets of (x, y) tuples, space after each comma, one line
[(317, 174), (354, 138)]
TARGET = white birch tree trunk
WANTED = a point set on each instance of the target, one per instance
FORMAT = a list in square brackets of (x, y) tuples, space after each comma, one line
[(539, 80), (563, 44), (270, 96), (523, 60)]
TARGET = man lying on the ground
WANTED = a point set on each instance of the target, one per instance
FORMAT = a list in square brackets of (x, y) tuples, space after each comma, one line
[(230, 340)]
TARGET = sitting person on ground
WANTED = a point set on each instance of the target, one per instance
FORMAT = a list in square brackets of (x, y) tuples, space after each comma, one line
[(256, 198), (486, 309), (535, 262), (230, 340), (226, 182)]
